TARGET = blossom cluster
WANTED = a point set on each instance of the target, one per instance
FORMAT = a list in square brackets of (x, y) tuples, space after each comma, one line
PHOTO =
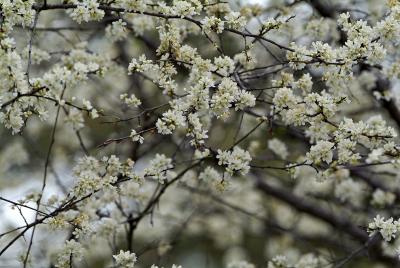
[(387, 228), (236, 160)]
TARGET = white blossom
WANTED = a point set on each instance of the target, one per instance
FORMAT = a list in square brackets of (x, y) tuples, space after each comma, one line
[(212, 24), (159, 167), (71, 250), (382, 198), (321, 151), (235, 160), (86, 10), (125, 259), (170, 121), (387, 228), (117, 30), (136, 137), (278, 147)]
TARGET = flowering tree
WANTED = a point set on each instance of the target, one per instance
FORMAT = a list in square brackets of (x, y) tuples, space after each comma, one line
[(144, 133)]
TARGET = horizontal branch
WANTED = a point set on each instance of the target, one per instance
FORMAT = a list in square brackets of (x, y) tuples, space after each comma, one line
[(306, 206)]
